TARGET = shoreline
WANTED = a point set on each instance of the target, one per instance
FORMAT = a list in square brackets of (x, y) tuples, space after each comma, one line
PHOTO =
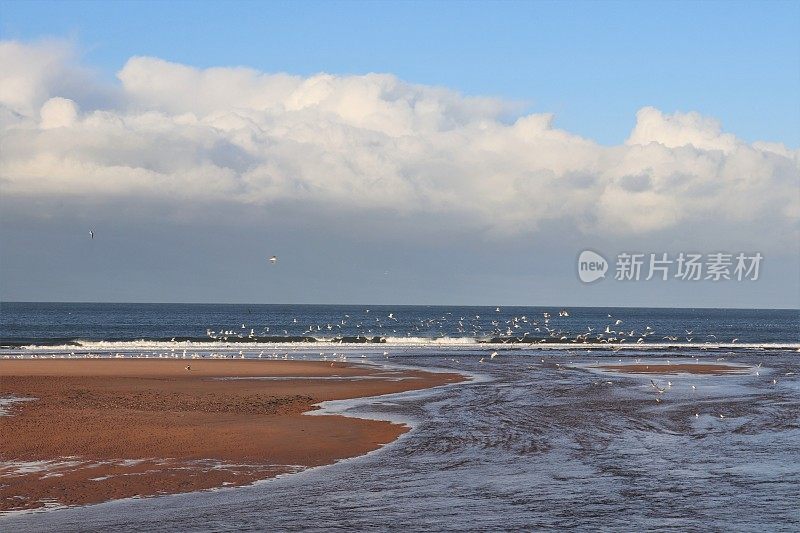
[(108, 429)]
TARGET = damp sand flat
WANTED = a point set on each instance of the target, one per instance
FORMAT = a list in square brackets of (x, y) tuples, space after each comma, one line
[(676, 368), (108, 429)]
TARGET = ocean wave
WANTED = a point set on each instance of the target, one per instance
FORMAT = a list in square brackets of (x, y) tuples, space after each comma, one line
[(303, 343)]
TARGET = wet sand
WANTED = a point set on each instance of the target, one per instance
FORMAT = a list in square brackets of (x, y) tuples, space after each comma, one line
[(119, 428), (677, 368)]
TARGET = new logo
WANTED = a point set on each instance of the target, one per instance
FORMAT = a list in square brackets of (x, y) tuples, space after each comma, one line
[(591, 266)]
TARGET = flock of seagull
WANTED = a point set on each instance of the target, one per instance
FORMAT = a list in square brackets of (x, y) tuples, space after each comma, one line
[(516, 329)]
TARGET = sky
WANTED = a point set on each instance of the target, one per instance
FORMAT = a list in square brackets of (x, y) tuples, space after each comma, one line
[(431, 153)]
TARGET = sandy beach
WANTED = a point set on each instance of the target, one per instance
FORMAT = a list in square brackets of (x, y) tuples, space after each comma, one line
[(116, 428)]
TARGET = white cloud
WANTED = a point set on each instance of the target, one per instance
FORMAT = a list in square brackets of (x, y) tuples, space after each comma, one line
[(370, 143), (58, 113), (680, 129), (29, 72)]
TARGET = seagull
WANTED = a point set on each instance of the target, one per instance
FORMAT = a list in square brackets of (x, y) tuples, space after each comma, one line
[(273, 259), (189, 368), (494, 354), (91, 234)]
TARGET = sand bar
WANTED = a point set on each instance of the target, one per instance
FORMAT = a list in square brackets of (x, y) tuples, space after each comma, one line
[(675, 368), (116, 428)]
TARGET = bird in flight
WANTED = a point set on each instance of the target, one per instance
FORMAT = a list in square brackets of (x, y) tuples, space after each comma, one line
[(273, 259), (91, 234)]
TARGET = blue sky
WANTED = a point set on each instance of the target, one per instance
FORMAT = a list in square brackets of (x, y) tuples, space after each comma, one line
[(593, 64)]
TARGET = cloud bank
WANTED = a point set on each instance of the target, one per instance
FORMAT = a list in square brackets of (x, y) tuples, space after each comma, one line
[(370, 144)]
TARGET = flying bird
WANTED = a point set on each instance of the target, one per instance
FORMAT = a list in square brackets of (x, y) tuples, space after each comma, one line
[(273, 259), (91, 234)]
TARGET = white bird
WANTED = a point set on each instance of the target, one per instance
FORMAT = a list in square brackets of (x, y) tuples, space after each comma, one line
[(91, 234), (273, 259), (494, 354)]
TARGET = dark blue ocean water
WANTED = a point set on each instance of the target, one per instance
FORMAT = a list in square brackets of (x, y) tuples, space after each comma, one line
[(540, 439), (53, 323)]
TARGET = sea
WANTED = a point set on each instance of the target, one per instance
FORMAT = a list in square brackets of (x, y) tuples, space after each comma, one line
[(539, 438)]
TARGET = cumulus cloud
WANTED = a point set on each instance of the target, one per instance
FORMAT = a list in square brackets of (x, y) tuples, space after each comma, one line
[(58, 113), (369, 143), (680, 129)]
